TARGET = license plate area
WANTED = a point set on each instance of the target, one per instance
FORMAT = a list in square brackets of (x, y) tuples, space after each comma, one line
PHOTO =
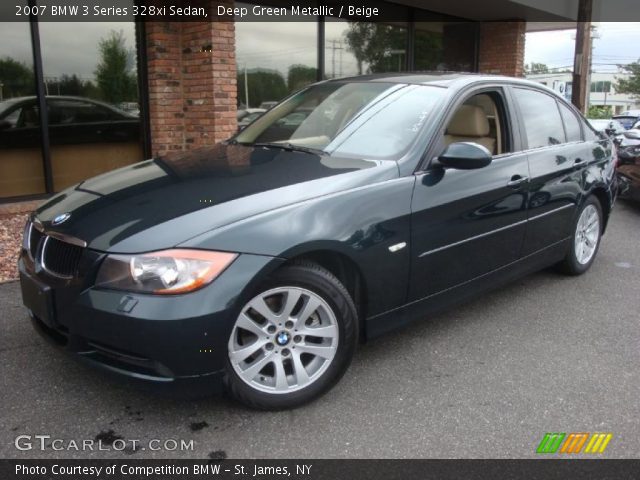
[(38, 298)]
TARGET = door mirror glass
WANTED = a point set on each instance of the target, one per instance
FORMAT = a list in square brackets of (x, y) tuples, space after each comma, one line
[(465, 156)]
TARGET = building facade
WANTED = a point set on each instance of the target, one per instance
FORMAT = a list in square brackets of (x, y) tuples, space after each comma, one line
[(601, 94), (79, 99)]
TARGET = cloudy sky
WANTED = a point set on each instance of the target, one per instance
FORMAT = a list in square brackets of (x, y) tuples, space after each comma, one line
[(617, 43), (70, 48)]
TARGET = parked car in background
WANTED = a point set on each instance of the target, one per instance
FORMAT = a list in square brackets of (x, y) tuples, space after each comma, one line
[(629, 165), (245, 117), (132, 108), (72, 120), (628, 118), (611, 127), (293, 120), (268, 105), (243, 112), (418, 191)]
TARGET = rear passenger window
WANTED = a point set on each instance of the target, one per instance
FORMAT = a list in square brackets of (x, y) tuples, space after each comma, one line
[(571, 124), (542, 122)]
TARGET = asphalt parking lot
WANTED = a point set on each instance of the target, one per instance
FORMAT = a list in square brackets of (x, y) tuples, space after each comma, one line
[(487, 379)]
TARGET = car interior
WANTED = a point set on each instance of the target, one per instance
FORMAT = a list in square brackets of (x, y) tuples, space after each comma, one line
[(29, 117), (477, 120)]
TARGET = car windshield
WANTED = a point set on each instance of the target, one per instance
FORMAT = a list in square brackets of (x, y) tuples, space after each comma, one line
[(378, 120)]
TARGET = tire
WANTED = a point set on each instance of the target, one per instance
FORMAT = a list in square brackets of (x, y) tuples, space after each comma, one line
[(289, 363), (578, 261)]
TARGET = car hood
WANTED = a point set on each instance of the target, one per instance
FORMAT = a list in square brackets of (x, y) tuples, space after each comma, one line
[(163, 202)]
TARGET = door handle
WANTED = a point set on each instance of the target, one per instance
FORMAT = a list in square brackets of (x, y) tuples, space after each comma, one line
[(516, 181), (579, 163)]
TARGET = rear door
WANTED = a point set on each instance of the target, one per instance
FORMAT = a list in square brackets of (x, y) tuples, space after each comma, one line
[(558, 157), (466, 223)]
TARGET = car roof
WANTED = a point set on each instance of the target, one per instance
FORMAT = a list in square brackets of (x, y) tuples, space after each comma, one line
[(440, 79), (10, 102)]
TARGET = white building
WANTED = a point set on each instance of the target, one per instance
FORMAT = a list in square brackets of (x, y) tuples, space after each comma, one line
[(602, 90)]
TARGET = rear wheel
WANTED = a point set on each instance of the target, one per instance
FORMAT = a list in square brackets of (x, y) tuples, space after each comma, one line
[(586, 238), (293, 340)]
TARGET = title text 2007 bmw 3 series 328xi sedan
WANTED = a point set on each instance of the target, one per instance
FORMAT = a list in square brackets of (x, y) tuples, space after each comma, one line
[(277, 251)]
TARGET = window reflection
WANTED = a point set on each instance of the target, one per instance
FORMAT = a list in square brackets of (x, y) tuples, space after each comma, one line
[(357, 48), (21, 167), (273, 60), (92, 98), (542, 121)]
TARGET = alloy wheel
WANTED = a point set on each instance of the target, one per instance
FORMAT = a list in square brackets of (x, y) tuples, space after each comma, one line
[(587, 234), (283, 340)]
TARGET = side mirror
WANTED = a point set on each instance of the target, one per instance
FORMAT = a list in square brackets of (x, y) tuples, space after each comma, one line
[(465, 156), (5, 124)]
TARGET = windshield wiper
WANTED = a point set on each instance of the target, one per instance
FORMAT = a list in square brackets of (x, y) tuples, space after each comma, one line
[(290, 147)]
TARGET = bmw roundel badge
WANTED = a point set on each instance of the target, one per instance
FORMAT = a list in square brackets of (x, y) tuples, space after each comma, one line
[(63, 217)]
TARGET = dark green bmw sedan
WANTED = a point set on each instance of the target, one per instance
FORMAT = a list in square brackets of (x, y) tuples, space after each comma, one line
[(259, 263)]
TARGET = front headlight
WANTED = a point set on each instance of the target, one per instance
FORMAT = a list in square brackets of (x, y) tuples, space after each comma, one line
[(165, 272)]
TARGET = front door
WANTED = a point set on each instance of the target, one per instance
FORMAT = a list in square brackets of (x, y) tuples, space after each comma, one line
[(466, 223)]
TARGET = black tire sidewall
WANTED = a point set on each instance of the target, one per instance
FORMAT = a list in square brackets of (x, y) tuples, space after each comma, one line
[(321, 282)]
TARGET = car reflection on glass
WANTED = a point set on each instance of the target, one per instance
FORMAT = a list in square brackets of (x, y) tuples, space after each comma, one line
[(72, 120), (293, 119), (245, 117)]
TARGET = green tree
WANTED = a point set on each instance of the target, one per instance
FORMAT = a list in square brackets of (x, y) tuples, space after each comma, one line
[(16, 78), (115, 79), (263, 85), (629, 85), (381, 46), (429, 50), (73, 85), (535, 67), (596, 111), (300, 75)]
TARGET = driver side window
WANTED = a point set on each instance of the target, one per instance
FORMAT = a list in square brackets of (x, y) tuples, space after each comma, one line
[(26, 116), (480, 119)]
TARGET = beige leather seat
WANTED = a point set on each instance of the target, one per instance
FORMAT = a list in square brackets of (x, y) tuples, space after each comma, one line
[(470, 124)]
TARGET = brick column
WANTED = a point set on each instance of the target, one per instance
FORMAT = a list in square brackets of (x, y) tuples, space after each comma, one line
[(192, 81), (502, 48)]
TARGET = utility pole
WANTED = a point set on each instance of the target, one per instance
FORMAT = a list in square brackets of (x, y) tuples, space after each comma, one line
[(582, 59), (246, 87), (333, 56)]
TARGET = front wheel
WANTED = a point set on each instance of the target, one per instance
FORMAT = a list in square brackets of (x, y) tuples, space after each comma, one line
[(293, 340), (586, 238)]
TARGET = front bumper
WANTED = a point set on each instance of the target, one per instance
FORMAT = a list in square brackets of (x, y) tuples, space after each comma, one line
[(153, 338)]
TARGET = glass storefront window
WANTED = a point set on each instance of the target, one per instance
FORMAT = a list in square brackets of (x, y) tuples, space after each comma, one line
[(92, 98), (273, 60), (428, 46), (358, 48), (21, 164)]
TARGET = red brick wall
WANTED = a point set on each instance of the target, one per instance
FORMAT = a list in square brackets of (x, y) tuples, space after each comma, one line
[(192, 81), (502, 48)]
